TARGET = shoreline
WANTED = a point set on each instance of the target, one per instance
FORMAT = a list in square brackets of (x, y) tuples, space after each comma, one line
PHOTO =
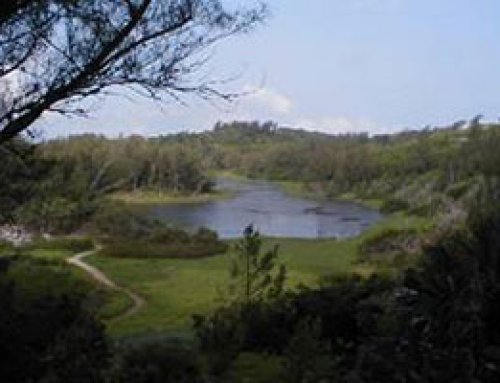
[(297, 189), (144, 198)]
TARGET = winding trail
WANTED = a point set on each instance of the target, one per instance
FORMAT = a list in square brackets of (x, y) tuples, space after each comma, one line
[(137, 301)]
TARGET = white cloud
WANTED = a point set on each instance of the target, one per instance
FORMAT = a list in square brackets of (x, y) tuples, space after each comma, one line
[(114, 115), (267, 98), (336, 125)]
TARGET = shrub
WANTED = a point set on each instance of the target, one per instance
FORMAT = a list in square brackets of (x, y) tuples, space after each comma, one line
[(115, 219), (159, 241), (393, 205), (308, 357), (220, 337), (57, 215), (458, 190), (150, 362), (388, 245), (5, 247), (421, 210), (148, 249), (73, 244), (347, 310), (205, 235), (169, 236), (47, 332)]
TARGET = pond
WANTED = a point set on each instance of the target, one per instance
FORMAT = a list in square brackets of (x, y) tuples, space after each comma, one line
[(271, 211)]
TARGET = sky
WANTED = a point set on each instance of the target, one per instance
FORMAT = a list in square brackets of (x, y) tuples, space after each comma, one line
[(336, 66)]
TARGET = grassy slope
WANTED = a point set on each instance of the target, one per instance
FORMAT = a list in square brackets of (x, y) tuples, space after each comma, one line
[(175, 289)]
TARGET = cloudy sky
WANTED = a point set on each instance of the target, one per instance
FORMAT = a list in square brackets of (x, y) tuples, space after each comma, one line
[(336, 66)]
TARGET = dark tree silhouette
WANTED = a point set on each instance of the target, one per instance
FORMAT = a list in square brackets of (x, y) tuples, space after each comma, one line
[(54, 53)]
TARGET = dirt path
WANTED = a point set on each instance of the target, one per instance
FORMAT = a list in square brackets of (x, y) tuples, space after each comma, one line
[(78, 261)]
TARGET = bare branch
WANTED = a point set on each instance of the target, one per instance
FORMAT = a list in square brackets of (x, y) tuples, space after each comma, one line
[(74, 49)]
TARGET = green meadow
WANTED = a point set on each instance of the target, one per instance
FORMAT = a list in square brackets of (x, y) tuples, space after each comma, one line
[(175, 289)]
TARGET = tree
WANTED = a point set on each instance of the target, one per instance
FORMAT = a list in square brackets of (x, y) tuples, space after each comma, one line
[(252, 275), (308, 357), (49, 331), (20, 172), (55, 53)]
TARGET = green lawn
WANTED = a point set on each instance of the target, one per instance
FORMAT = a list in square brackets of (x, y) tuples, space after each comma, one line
[(175, 289)]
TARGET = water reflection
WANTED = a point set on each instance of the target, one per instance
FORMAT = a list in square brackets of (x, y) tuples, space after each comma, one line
[(272, 212)]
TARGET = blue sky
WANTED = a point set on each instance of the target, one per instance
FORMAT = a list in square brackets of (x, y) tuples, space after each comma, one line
[(338, 66)]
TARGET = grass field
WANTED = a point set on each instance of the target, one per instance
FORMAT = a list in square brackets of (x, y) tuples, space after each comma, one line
[(154, 198), (174, 289)]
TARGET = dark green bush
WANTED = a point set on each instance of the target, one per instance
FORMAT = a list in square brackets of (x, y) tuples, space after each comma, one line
[(148, 249), (457, 190), (167, 235), (57, 215), (346, 312), (422, 210), (73, 244), (387, 244), (48, 333), (5, 247), (115, 219), (205, 235), (148, 239), (157, 362), (393, 205)]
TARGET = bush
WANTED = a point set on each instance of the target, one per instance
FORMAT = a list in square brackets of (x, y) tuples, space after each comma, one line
[(205, 235), (165, 242), (347, 309), (393, 205), (47, 332), (458, 190), (388, 245), (5, 247), (155, 362), (57, 215), (146, 249), (220, 337), (308, 357), (116, 220), (166, 235), (73, 244)]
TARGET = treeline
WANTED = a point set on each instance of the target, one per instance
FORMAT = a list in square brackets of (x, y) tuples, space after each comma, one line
[(350, 160), (427, 171), (56, 186), (133, 163)]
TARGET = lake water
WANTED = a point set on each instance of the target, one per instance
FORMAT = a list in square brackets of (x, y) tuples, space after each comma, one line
[(271, 211)]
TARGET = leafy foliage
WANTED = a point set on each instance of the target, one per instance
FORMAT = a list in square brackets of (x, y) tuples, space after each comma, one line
[(126, 234), (60, 52), (251, 273), (156, 362), (47, 334)]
